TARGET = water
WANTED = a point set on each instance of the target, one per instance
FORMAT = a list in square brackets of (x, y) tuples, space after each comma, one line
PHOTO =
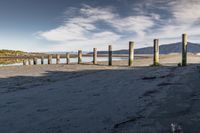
[(72, 60)]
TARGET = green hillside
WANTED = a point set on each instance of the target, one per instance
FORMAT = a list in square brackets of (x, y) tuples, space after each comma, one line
[(4, 52)]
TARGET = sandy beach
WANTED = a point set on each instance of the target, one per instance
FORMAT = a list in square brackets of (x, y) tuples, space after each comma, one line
[(90, 98)]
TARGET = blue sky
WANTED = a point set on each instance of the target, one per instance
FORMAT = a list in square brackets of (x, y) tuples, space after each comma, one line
[(69, 25)]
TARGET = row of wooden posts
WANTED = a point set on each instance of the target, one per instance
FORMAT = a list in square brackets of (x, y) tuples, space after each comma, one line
[(184, 51), (131, 55)]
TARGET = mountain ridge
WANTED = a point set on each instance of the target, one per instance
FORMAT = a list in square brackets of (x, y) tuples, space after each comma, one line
[(164, 49)]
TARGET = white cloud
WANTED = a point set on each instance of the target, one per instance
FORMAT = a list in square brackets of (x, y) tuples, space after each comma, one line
[(82, 28), (184, 19), (185, 12), (69, 32)]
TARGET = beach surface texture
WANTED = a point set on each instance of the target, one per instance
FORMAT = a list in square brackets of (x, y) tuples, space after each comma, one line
[(90, 98)]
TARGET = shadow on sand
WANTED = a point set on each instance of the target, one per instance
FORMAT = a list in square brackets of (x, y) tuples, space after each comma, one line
[(143, 99)]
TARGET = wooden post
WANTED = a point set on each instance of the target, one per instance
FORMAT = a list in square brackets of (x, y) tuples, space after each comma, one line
[(79, 56), (42, 60), (24, 62), (35, 61), (67, 58), (29, 61), (184, 49), (110, 55), (131, 53), (95, 56), (156, 52), (49, 59), (57, 59)]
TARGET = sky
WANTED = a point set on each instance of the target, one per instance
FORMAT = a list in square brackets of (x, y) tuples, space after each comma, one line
[(69, 25)]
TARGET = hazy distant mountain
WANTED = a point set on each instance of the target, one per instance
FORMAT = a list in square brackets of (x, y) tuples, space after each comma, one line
[(71, 52), (164, 49)]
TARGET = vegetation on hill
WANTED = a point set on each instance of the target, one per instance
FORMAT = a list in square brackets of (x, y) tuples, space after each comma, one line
[(10, 61), (4, 52)]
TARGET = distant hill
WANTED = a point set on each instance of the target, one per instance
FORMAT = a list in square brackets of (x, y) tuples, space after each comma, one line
[(164, 49), (4, 52), (71, 52)]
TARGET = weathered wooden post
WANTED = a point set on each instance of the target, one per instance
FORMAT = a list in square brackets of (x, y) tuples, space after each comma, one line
[(35, 61), (49, 59), (42, 60), (156, 52), (79, 56), (57, 59), (95, 56), (110, 55), (184, 49), (131, 53), (67, 58), (29, 61), (24, 62)]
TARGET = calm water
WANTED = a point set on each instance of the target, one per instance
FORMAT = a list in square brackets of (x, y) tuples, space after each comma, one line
[(72, 60)]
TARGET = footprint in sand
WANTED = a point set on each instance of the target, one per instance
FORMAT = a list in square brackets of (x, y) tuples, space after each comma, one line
[(42, 110)]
